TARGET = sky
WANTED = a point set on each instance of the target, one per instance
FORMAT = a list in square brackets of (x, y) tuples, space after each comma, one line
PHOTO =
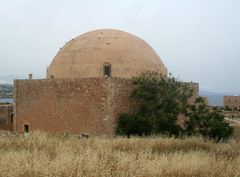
[(198, 40)]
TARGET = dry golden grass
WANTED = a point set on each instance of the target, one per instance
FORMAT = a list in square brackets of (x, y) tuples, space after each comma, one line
[(44, 155)]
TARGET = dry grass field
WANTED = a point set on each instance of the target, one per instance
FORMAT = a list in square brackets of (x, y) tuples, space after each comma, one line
[(44, 155)]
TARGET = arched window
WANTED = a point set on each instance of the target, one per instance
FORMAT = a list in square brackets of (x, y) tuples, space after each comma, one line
[(107, 69)]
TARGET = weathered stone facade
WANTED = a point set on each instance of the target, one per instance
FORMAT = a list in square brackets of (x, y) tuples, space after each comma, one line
[(232, 102), (90, 105), (6, 117), (71, 105)]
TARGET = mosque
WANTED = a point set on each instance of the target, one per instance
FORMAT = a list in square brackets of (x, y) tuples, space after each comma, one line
[(87, 85)]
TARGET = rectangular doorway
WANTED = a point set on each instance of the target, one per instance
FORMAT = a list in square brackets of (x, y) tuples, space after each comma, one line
[(26, 128)]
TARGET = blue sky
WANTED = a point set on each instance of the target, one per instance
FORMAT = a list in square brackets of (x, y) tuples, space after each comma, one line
[(198, 40)]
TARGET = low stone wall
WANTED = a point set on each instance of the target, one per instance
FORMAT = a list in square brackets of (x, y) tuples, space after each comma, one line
[(90, 105)]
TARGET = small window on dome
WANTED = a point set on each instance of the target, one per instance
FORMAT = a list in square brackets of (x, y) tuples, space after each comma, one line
[(107, 69)]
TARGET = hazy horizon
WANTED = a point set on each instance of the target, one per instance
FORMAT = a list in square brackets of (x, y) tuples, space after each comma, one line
[(197, 40)]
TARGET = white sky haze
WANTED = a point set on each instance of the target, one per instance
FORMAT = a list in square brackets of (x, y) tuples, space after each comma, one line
[(198, 40)]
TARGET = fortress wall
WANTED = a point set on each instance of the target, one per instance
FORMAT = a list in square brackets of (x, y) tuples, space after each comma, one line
[(232, 102), (89, 105), (6, 111)]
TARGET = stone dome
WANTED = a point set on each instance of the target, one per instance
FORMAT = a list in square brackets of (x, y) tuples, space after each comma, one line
[(105, 52)]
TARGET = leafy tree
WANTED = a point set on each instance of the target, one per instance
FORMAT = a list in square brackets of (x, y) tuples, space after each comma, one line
[(208, 123), (133, 124), (162, 101)]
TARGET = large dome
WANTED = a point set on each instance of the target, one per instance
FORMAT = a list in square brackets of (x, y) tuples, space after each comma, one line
[(107, 51)]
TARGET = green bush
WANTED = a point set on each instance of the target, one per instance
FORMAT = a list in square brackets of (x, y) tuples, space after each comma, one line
[(209, 124), (163, 100), (133, 124)]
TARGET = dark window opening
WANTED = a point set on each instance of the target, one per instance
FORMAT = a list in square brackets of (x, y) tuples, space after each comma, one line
[(26, 128), (11, 118), (107, 70)]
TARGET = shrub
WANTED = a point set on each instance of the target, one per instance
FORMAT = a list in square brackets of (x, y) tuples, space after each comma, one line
[(209, 124), (130, 124), (163, 100)]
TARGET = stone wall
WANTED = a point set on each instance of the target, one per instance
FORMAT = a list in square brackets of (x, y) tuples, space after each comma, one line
[(6, 117), (231, 114), (89, 105), (232, 102)]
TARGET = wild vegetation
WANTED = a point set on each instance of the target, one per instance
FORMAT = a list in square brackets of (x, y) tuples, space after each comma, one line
[(44, 155), (163, 101)]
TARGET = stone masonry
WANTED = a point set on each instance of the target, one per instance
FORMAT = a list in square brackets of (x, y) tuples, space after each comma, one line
[(84, 106), (6, 117), (232, 102), (89, 106)]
